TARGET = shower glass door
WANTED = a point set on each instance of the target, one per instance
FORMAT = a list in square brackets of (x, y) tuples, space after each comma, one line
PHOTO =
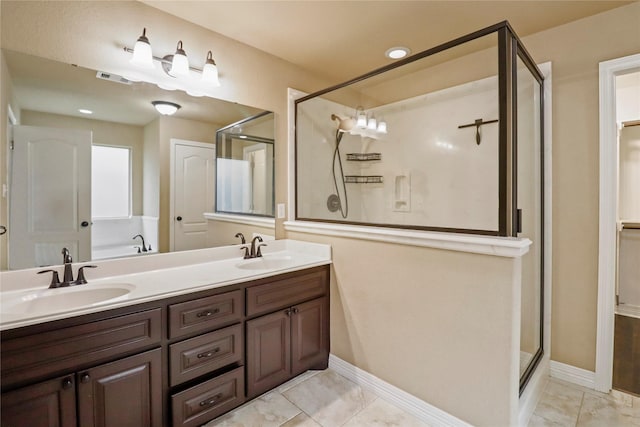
[(529, 153)]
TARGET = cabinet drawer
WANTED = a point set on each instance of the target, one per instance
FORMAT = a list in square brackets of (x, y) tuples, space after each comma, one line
[(36, 356), (286, 292), (197, 405), (205, 353), (204, 314)]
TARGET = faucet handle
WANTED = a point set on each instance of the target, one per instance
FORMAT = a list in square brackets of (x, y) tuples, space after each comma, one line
[(81, 280), (242, 239), (259, 251), (246, 252), (55, 280)]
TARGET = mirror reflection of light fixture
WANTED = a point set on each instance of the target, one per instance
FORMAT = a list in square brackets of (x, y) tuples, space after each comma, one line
[(142, 56), (361, 118), (175, 65), (372, 124), (166, 108)]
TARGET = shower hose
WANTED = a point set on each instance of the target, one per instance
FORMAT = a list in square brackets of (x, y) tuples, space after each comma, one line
[(344, 207)]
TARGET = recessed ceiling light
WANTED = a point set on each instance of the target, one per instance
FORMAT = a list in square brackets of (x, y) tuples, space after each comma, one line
[(85, 111), (397, 52)]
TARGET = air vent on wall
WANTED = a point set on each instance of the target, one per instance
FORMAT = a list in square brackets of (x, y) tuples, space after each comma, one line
[(113, 78)]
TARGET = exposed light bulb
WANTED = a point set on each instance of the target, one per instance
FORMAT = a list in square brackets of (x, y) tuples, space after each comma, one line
[(210, 71), (180, 63), (382, 126), (142, 55)]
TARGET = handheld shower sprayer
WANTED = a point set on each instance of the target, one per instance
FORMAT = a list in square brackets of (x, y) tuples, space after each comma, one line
[(344, 125)]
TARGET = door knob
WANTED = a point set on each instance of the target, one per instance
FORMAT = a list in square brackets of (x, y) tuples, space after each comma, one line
[(3, 230), (84, 224), (179, 218)]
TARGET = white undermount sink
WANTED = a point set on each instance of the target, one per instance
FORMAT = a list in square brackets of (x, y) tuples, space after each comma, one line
[(74, 297), (266, 262)]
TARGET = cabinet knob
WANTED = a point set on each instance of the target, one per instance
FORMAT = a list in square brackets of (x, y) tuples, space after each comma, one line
[(208, 313), (67, 383), (295, 310), (211, 401), (287, 312), (85, 378)]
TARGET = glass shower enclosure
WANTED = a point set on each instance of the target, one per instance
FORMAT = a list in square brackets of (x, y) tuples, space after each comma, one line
[(447, 140)]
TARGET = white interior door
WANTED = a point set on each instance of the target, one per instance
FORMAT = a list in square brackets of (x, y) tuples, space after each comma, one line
[(193, 193), (50, 196)]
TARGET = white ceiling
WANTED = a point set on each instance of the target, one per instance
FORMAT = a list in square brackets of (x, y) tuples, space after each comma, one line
[(343, 39)]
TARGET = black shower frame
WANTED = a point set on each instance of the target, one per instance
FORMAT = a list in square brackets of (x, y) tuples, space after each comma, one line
[(510, 48)]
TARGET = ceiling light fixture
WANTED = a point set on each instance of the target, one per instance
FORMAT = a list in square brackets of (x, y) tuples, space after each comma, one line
[(176, 65), (166, 108), (397, 52)]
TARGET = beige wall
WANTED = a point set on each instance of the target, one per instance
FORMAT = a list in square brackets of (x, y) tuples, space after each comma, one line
[(437, 324), (222, 233), (104, 133), (575, 50)]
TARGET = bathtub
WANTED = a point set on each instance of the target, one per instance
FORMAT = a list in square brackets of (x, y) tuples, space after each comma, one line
[(116, 251)]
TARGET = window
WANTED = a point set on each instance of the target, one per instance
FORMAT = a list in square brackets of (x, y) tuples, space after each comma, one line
[(110, 182)]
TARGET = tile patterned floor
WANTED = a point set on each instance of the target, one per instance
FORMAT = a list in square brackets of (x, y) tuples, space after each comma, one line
[(326, 399), (565, 404)]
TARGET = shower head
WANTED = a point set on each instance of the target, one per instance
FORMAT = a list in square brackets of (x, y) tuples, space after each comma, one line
[(344, 125)]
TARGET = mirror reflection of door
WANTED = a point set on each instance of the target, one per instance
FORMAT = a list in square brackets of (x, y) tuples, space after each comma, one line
[(256, 156), (193, 193), (50, 196)]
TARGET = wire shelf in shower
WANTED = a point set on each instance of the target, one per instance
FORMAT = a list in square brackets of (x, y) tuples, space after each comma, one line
[(363, 179), (364, 157)]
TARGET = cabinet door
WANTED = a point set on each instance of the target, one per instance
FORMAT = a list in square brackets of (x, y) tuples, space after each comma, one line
[(125, 393), (268, 352), (309, 336), (47, 404)]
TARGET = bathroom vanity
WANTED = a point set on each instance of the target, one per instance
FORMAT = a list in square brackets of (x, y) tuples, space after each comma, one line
[(180, 357)]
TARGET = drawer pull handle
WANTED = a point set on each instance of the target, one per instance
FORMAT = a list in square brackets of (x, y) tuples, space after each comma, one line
[(211, 401), (208, 313), (208, 353)]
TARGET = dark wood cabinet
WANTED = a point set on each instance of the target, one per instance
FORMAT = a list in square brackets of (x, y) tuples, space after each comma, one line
[(124, 393), (268, 351), (47, 404), (286, 343), (180, 361), (310, 335)]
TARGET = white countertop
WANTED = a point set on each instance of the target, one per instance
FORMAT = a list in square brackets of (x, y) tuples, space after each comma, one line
[(149, 278)]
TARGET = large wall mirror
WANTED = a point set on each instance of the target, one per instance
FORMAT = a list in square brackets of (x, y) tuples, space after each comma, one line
[(94, 167)]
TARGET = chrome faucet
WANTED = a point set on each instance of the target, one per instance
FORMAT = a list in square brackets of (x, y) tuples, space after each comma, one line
[(144, 247), (67, 278)]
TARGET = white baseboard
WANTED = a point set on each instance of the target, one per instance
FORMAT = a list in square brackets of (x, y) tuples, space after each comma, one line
[(403, 400), (573, 375), (533, 391)]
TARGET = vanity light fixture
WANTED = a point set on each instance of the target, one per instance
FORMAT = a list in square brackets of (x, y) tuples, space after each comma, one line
[(142, 56), (397, 52), (166, 108), (176, 65), (179, 62), (366, 124)]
